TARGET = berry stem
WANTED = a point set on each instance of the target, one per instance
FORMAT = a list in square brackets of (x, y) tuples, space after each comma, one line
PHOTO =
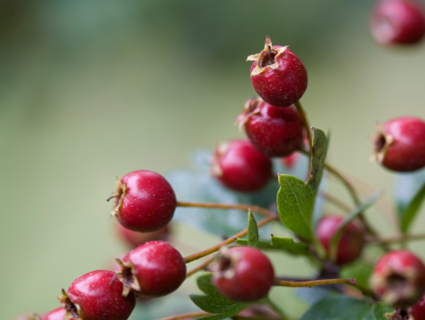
[(206, 252), (312, 283), (303, 116), (222, 206), (202, 266), (187, 315)]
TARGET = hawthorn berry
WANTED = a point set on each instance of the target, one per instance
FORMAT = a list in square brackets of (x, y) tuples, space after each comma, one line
[(273, 131), (400, 144), (243, 274), (417, 311), (144, 201), (240, 167), (399, 278), (278, 75), (97, 295), (397, 22), (134, 239), (153, 269), (57, 314)]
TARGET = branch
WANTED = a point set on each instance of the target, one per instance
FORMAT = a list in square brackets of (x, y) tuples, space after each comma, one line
[(304, 120), (312, 283), (202, 266), (335, 201), (187, 315), (397, 239), (222, 206)]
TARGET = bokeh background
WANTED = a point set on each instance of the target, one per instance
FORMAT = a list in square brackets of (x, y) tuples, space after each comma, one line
[(91, 90)]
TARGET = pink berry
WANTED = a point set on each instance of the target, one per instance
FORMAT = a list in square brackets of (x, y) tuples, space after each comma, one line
[(57, 314), (243, 274), (399, 278), (278, 75), (145, 201), (397, 22), (400, 144), (417, 311), (134, 239), (153, 269), (273, 131), (351, 243), (240, 167), (97, 295)]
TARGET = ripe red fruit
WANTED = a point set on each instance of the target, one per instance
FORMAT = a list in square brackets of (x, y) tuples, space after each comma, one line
[(400, 144), (239, 166), (153, 269), (144, 201), (134, 239), (417, 311), (97, 295), (273, 131), (399, 278), (350, 245), (57, 314), (397, 22), (278, 75), (243, 274)]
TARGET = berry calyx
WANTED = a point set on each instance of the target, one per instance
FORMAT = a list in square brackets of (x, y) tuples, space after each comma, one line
[(400, 144), (240, 167), (97, 295), (243, 274), (57, 314), (153, 269), (351, 243), (417, 311), (278, 75), (273, 131), (397, 22), (134, 239), (144, 201), (399, 278)]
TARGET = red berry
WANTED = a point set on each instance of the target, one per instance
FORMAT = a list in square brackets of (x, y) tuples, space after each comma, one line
[(57, 314), (240, 167), (417, 311), (400, 144), (153, 269), (397, 22), (97, 295), (273, 131), (145, 201), (351, 243), (278, 75), (399, 278), (134, 239), (243, 274)]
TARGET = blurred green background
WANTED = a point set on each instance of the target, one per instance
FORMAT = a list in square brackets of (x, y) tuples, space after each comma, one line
[(94, 89)]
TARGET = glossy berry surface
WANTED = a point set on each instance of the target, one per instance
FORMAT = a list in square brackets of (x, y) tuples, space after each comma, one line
[(243, 274), (57, 314), (417, 311), (240, 167), (145, 201), (399, 278), (134, 239), (97, 295), (400, 144), (153, 269), (397, 22), (351, 243), (278, 75), (273, 131)]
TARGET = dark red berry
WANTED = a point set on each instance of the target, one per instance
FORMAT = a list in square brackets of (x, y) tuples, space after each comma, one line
[(135, 239), (273, 131), (97, 295), (243, 274), (153, 269), (417, 311), (278, 75), (240, 167), (145, 201), (399, 278), (57, 314), (351, 243), (397, 22), (400, 144)]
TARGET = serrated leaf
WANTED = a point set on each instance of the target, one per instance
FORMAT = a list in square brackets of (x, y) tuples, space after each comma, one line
[(253, 239), (318, 157), (289, 245), (213, 301), (408, 215), (295, 203)]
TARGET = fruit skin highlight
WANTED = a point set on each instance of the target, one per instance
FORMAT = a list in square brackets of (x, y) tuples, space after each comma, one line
[(278, 75), (57, 314)]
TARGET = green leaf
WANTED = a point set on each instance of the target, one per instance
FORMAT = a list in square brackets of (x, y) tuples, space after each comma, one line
[(213, 302), (359, 270), (285, 244), (406, 187), (412, 209), (263, 244), (354, 214), (346, 308), (253, 239), (319, 151), (295, 203)]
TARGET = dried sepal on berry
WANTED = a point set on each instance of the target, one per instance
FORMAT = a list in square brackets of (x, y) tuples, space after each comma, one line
[(118, 195), (381, 141), (126, 276), (251, 107), (72, 309)]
